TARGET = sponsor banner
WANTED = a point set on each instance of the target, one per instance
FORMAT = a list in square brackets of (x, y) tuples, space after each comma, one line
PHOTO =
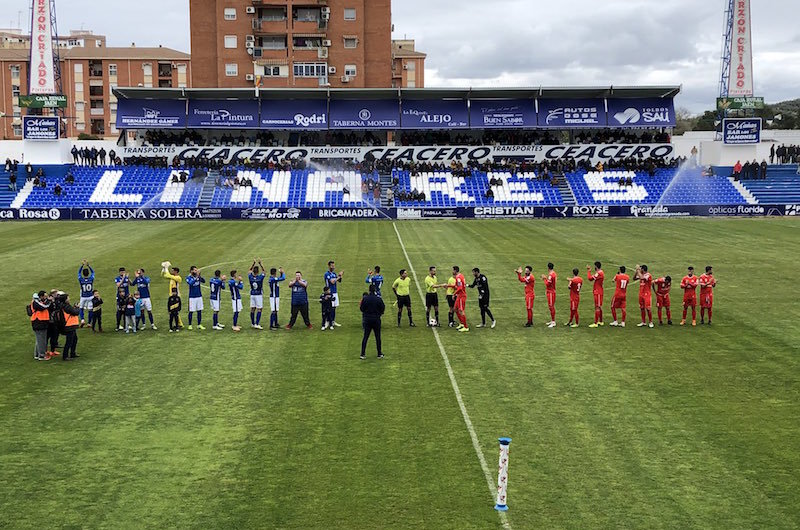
[(144, 214), (433, 213), (151, 113), (42, 74), (306, 114), (740, 103), (352, 213), (273, 213), (35, 214), (445, 154), (222, 114), (641, 112), (369, 114), (741, 131), (741, 72), (502, 113), (51, 101), (572, 113), (497, 212), (40, 128), (435, 114)]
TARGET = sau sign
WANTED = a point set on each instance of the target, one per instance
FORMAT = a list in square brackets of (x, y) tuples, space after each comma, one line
[(739, 131)]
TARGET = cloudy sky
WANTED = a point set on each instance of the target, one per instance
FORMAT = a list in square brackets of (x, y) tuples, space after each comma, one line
[(525, 42)]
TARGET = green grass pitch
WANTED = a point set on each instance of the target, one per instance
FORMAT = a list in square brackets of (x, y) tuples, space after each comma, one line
[(612, 428)]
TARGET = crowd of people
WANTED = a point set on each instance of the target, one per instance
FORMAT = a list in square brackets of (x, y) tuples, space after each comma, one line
[(750, 170), (54, 314), (93, 157), (784, 154)]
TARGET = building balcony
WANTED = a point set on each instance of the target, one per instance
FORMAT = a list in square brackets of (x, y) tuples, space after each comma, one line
[(270, 53), (270, 25), (315, 26), (310, 55), (97, 112)]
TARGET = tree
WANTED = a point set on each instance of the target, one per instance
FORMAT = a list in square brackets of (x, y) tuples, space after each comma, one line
[(684, 120)]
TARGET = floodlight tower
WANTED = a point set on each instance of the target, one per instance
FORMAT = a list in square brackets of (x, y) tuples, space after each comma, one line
[(727, 40), (45, 56)]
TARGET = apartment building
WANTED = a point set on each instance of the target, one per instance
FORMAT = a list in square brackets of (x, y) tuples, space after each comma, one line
[(408, 65)]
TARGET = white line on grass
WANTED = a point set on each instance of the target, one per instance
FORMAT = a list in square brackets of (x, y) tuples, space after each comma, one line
[(472, 434)]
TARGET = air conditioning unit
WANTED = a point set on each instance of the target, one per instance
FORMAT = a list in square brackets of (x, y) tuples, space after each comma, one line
[(322, 53), (250, 38), (331, 69), (345, 79), (250, 51), (250, 44), (326, 43), (326, 16), (250, 10), (250, 77), (326, 10), (405, 67)]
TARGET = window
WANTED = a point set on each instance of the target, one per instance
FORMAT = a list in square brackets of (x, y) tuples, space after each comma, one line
[(73, 42), (349, 13), (350, 42), (78, 68), (14, 71), (272, 71), (310, 69), (230, 13), (78, 87), (411, 66), (307, 14), (80, 125), (17, 112), (307, 42), (350, 70), (96, 91), (80, 107), (112, 70), (147, 69), (14, 91), (274, 42), (273, 14), (232, 70), (411, 83), (17, 130), (98, 43), (230, 41)]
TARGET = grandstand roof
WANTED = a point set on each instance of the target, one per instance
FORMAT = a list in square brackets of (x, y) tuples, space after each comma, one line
[(401, 93)]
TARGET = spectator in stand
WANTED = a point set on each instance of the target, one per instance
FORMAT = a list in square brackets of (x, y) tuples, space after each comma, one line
[(112, 157), (28, 171), (75, 155), (763, 172), (93, 154), (12, 182), (57, 190), (772, 154), (102, 156), (737, 170), (69, 179)]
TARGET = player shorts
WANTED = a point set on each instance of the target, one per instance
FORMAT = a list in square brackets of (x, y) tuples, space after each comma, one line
[(529, 301), (274, 303), (574, 303), (215, 306), (335, 301), (598, 299), (461, 303), (707, 300), (690, 301), (86, 303), (551, 298), (237, 305), (403, 301), (431, 299), (195, 304), (619, 302), (147, 304), (662, 300), (256, 301), (451, 301), (645, 302)]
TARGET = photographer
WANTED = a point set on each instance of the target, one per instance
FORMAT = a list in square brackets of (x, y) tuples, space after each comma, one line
[(68, 323), (39, 311)]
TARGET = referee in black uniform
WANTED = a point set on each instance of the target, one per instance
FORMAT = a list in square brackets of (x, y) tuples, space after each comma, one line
[(372, 308), (482, 283)]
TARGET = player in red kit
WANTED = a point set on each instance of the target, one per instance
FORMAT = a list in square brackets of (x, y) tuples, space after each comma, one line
[(597, 290), (662, 287), (621, 281), (645, 294), (528, 279), (707, 283), (461, 298), (549, 280), (689, 286), (575, 284)]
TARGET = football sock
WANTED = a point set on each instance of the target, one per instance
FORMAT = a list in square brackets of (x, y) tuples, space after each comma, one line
[(150, 314), (530, 315), (437, 317), (216, 319), (253, 318), (624, 315), (258, 318), (81, 315), (190, 318), (235, 318), (553, 313), (643, 316), (709, 314), (650, 315), (199, 317), (614, 313)]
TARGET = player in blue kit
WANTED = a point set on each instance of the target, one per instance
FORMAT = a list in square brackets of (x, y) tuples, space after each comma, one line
[(123, 282), (86, 282), (256, 278), (216, 284), (374, 277), (142, 283), (275, 296), (195, 280), (235, 284), (332, 280)]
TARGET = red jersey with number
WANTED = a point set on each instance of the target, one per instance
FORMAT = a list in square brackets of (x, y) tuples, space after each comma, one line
[(575, 285), (550, 281), (461, 286), (598, 278), (621, 281), (689, 286), (528, 280), (645, 284), (707, 283), (662, 287)]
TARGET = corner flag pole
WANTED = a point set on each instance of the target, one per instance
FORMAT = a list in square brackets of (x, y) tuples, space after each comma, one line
[(502, 475)]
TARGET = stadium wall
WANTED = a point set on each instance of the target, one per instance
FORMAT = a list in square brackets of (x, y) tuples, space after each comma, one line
[(478, 212)]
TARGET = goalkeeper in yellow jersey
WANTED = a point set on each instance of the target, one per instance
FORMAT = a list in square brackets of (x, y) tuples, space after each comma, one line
[(173, 275)]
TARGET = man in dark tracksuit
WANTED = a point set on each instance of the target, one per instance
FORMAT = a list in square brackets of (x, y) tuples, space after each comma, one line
[(372, 308), (52, 327), (482, 283)]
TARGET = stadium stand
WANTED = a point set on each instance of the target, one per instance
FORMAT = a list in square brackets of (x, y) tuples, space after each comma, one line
[(782, 185)]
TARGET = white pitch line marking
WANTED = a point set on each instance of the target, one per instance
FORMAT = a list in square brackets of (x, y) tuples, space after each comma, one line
[(472, 434)]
